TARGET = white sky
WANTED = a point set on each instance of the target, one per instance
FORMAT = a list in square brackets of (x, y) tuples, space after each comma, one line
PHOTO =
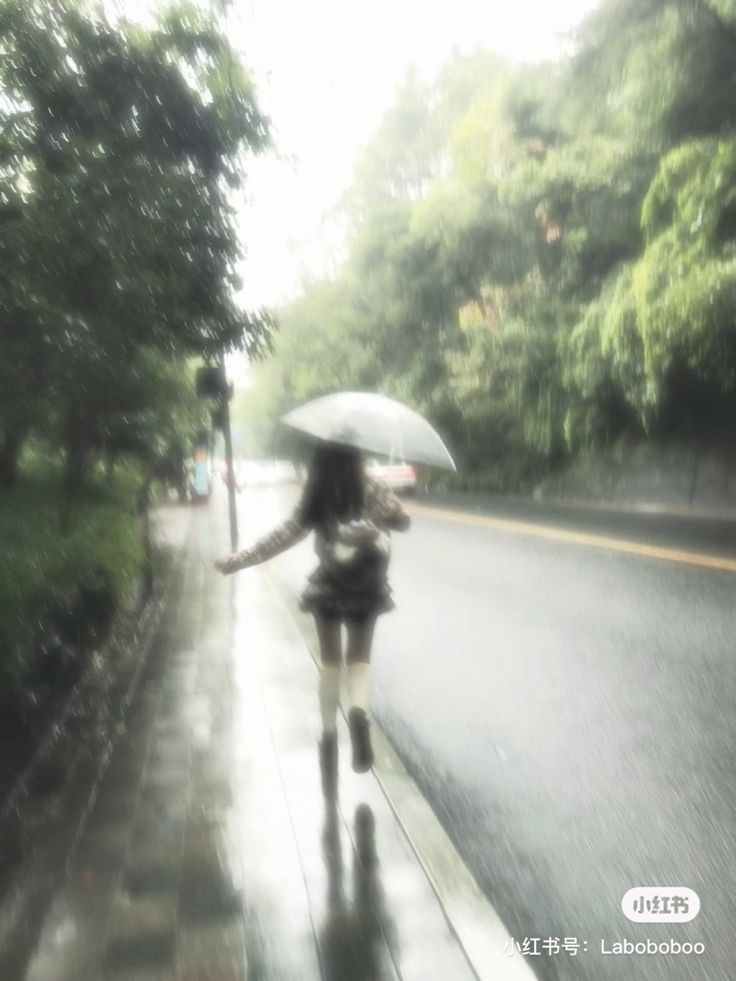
[(326, 71)]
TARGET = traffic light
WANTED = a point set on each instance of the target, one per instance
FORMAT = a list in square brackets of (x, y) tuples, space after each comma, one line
[(210, 382)]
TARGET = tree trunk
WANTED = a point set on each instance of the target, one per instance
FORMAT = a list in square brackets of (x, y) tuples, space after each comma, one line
[(144, 502), (76, 466), (77, 453), (10, 447)]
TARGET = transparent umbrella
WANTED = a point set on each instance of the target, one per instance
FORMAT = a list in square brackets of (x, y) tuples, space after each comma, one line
[(374, 423)]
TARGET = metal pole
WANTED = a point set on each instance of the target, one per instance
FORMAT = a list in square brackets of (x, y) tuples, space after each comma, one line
[(230, 470)]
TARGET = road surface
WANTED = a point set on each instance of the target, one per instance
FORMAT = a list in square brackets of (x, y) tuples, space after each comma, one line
[(566, 704)]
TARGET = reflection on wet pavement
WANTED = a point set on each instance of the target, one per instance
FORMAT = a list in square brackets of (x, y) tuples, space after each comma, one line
[(353, 937), (210, 851)]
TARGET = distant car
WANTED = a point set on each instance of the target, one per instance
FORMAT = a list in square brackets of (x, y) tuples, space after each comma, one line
[(400, 477), (266, 473), (283, 472)]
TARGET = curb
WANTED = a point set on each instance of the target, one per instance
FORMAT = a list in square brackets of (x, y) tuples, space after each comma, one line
[(655, 508)]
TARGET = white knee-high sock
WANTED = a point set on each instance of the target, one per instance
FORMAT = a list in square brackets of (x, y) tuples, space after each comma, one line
[(329, 696), (359, 685)]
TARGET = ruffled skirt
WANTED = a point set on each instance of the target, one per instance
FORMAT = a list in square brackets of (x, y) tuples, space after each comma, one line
[(349, 591)]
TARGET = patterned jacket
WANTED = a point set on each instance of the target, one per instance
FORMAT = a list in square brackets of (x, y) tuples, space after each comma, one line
[(382, 511)]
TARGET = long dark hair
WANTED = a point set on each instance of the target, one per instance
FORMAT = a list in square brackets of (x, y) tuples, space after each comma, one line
[(335, 487)]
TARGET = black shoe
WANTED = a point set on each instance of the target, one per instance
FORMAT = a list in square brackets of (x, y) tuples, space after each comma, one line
[(328, 763), (361, 739), (365, 837)]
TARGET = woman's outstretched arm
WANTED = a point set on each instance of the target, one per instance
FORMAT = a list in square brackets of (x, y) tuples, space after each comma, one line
[(276, 541)]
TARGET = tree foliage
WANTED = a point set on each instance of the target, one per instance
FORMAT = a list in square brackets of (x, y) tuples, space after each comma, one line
[(118, 148), (542, 257)]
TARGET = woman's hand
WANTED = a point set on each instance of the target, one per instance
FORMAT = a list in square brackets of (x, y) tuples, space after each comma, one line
[(225, 566), (357, 533)]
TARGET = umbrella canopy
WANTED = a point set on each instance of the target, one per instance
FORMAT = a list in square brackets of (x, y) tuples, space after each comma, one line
[(374, 423)]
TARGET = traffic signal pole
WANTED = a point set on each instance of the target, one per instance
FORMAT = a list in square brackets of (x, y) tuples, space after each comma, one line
[(230, 470)]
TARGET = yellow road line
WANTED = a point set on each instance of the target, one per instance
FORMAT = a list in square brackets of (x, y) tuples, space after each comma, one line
[(580, 538)]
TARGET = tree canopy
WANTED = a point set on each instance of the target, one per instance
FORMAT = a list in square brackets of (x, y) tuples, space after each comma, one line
[(542, 255), (118, 149)]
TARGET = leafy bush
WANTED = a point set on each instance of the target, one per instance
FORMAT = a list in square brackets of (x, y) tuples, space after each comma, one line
[(100, 557)]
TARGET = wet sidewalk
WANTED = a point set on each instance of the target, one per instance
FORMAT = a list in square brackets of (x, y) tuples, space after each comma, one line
[(210, 851)]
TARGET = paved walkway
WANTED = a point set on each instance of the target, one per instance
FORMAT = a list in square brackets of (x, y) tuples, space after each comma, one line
[(210, 852)]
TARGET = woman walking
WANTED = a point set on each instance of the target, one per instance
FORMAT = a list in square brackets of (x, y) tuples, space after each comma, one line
[(351, 514)]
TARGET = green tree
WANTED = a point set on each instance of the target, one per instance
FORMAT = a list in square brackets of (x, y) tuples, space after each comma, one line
[(685, 283), (119, 150), (542, 256)]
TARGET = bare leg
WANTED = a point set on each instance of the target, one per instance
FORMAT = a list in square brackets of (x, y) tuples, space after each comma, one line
[(328, 632), (360, 639), (330, 646)]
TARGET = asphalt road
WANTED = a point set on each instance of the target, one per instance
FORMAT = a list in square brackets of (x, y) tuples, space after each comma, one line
[(568, 711)]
